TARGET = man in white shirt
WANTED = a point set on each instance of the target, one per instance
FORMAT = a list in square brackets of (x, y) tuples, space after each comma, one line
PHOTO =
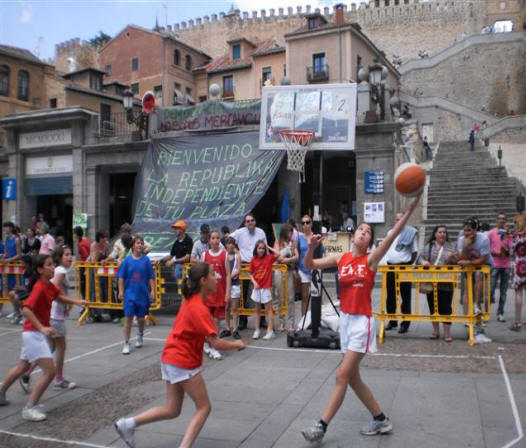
[(403, 251), (246, 238)]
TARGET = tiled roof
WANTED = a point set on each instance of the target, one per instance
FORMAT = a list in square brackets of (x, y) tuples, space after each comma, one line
[(270, 46), (20, 53)]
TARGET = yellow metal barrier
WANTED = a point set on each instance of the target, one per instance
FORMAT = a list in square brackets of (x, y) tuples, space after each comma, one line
[(437, 275), (16, 269), (280, 306), (95, 283)]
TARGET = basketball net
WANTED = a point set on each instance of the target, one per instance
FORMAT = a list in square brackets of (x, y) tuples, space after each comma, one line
[(297, 142)]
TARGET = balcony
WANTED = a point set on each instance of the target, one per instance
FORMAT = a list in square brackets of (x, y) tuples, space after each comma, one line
[(318, 73), (227, 95), (116, 125)]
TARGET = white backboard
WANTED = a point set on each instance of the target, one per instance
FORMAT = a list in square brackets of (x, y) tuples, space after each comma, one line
[(327, 109)]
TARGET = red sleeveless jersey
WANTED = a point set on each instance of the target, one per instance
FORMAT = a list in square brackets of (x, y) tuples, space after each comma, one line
[(356, 282), (218, 263)]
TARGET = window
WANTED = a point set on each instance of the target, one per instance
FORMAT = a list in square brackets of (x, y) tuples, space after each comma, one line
[(188, 62), (313, 23), (377, 3), (202, 99), (177, 57), (4, 80), (135, 64), (236, 52), (397, 2), (228, 85), (188, 91), (318, 63), (135, 88), (107, 69), (95, 81), (23, 85), (105, 113), (52, 103), (266, 74), (158, 91)]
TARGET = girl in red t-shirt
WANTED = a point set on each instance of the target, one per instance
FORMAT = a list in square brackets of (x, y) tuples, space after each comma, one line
[(356, 271), (260, 273), (182, 358), (36, 329), (216, 302)]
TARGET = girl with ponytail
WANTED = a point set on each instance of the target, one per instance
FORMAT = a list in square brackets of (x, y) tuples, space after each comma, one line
[(182, 358)]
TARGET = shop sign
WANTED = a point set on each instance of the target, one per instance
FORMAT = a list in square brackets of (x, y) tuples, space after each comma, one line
[(36, 166), (80, 220), (373, 182), (336, 243), (42, 139), (9, 189)]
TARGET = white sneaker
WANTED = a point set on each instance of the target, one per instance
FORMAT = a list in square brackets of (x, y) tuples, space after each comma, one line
[(65, 384), (269, 335), (33, 414), (138, 341), (207, 348), (215, 354), (126, 433), (256, 334), (126, 348)]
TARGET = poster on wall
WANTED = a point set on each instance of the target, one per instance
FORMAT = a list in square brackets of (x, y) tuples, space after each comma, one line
[(374, 212), (214, 179)]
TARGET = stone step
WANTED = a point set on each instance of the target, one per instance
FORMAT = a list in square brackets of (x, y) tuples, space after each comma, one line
[(475, 192), (460, 182)]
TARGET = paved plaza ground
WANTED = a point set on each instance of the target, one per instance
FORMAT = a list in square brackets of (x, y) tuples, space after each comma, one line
[(436, 394)]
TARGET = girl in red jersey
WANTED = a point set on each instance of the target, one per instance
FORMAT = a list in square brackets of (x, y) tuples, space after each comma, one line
[(182, 358), (260, 273), (356, 272), (35, 346), (216, 257)]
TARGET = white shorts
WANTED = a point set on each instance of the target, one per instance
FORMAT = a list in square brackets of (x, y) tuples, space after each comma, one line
[(35, 346), (60, 328), (174, 374), (261, 295), (304, 277), (357, 333), (235, 292)]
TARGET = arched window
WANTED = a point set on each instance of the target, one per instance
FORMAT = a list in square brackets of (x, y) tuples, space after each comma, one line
[(177, 57), (4, 80), (23, 85), (188, 62)]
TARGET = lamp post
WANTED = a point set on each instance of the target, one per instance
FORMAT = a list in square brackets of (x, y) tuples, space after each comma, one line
[(377, 79), (141, 119)]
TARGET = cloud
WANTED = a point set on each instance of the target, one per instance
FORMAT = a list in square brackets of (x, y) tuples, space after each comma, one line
[(26, 13), (257, 5)]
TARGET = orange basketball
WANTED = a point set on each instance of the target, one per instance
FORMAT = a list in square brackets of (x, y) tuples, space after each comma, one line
[(409, 179)]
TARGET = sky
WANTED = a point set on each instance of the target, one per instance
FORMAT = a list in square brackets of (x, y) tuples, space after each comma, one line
[(38, 25)]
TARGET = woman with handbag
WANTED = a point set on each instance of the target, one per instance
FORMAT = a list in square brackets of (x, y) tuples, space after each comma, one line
[(439, 251)]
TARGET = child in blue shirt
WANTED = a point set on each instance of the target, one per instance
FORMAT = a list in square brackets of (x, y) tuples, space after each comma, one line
[(137, 288)]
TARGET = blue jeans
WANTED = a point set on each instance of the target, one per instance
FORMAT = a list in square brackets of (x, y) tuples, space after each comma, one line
[(504, 274)]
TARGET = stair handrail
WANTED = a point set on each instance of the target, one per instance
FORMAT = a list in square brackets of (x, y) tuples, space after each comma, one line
[(502, 124)]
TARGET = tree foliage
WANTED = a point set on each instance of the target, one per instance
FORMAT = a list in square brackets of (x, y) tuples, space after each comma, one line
[(100, 39)]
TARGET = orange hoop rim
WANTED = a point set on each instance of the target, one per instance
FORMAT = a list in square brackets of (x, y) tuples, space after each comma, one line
[(301, 136)]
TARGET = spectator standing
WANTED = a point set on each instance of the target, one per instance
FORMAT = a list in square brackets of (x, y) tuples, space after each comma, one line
[(234, 267), (472, 140), (181, 250), (83, 250), (518, 248), (31, 244), (347, 222), (440, 251), (99, 251), (403, 250), (201, 245), (428, 150), (500, 243), (225, 233), (246, 238), (47, 243), (12, 250)]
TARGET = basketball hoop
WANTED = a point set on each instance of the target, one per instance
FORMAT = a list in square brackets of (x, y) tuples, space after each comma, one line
[(297, 142)]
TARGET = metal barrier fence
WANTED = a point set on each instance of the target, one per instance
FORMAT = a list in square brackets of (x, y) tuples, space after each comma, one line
[(459, 277), (280, 293), (15, 269), (97, 283)]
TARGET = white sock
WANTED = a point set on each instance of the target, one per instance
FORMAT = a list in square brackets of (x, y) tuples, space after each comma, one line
[(130, 422)]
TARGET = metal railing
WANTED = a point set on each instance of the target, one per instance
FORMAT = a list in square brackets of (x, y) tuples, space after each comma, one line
[(315, 74), (116, 126), (470, 295)]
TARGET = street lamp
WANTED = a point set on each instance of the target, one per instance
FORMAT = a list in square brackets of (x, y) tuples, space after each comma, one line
[(141, 119)]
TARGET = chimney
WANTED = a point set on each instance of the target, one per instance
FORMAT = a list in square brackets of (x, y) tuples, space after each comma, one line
[(339, 17)]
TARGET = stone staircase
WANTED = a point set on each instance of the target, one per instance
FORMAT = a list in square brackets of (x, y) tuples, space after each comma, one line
[(464, 184)]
